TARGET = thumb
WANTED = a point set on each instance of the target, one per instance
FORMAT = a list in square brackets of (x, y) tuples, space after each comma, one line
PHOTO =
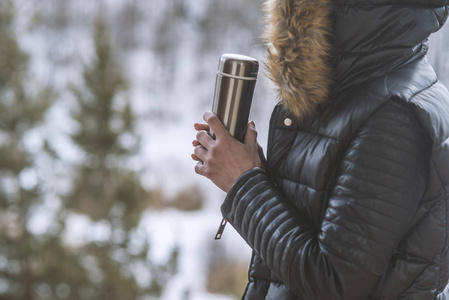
[(251, 134)]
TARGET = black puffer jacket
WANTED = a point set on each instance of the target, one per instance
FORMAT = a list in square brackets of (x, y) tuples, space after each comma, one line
[(354, 201)]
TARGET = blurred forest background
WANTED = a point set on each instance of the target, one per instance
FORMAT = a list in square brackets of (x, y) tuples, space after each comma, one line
[(98, 197)]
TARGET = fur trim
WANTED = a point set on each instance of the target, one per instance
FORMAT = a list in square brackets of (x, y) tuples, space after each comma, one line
[(299, 52)]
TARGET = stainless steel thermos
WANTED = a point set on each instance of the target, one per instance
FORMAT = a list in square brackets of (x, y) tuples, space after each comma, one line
[(234, 89)]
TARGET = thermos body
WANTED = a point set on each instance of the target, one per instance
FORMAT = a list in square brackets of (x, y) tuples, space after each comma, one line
[(234, 89)]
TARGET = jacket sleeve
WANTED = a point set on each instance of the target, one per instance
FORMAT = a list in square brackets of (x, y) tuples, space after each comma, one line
[(379, 183)]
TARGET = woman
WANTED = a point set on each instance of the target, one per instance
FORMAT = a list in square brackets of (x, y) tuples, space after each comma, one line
[(353, 200)]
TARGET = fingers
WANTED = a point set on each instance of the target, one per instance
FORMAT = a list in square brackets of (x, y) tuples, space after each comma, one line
[(199, 154), (203, 139), (215, 124), (195, 158), (262, 158), (200, 169), (260, 151), (201, 126), (251, 134)]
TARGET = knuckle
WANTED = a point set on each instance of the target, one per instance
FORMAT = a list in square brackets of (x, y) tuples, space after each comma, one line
[(224, 139), (208, 173), (251, 128), (213, 150), (196, 150), (199, 168), (199, 151), (209, 116), (202, 135), (202, 139), (198, 135), (255, 132)]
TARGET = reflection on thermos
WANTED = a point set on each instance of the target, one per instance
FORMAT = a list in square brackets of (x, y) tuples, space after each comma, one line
[(234, 89)]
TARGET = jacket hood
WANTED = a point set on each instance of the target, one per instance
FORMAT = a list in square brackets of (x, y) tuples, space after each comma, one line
[(320, 47)]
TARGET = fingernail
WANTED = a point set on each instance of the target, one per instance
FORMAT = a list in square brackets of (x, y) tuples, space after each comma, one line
[(253, 124)]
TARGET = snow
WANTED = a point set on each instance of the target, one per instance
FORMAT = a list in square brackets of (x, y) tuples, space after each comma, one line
[(193, 233), (77, 226)]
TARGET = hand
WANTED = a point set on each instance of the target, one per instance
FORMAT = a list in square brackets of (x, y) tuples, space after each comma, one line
[(224, 159)]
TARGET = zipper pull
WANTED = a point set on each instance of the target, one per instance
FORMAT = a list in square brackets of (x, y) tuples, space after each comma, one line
[(221, 229)]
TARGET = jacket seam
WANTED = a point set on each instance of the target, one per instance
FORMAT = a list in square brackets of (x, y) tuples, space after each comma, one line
[(392, 119), (374, 198), (358, 233), (445, 243), (375, 169), (290, 264), (347, 258), (438, 174), (371, 154), (416, 277), (300, 131), (303, 184), (374, 183), (369, 224), (383, 144), (366, 268), (446, 218), (424, 89), (410, 101), (393, 132)]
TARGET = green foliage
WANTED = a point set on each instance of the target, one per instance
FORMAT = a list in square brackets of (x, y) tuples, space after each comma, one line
[(105, 189), (20, 111), (102, 122), (12, 59)]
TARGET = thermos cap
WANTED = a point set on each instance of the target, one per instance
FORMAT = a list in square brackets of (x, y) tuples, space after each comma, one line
[(238, 66)]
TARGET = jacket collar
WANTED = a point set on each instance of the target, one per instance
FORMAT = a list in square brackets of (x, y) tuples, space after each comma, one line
[(298, 37)]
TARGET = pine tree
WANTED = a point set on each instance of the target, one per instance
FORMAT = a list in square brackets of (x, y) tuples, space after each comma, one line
[(30, 265), (105, 188)]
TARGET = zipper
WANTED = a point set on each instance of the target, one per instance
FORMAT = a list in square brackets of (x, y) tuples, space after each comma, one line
[(221, 228)]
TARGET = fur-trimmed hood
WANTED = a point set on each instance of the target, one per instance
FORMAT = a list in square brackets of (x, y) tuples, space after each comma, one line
[(320, 47)]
